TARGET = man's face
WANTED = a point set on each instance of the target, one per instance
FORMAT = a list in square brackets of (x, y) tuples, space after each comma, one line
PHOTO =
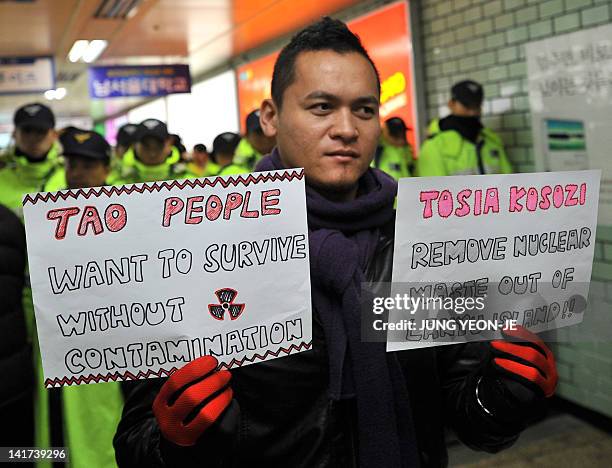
[(460, 110), (85, 172), (200, 157), (152, 151), (34, 141), (262, 143), (329, 121)]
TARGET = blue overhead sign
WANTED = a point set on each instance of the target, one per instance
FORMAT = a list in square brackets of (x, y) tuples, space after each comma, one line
[(138, 80), (26, 75)]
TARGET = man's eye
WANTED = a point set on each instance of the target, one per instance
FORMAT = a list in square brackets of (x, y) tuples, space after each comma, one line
[(321, 107), (366, 110)]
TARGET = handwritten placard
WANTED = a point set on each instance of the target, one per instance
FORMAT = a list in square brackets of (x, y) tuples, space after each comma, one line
[(133, 282), (482, 251)]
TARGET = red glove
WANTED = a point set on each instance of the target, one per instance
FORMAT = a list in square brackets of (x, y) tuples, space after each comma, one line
[(191, 400), (527, 359)]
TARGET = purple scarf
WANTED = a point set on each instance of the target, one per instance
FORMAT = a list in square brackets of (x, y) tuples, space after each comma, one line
[(343, 237)]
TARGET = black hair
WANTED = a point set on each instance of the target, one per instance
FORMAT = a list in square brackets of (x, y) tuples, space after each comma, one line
[(225, 144), (200, 147), (325, 34), (178, 143)]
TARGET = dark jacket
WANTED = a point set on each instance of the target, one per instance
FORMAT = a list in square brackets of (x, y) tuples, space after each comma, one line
[(281, 415), (16, 400)]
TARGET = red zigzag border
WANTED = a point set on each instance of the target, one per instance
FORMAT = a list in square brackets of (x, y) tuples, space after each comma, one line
[(121, 376), (97, 192)]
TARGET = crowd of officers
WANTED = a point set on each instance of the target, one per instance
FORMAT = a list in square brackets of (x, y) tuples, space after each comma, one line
[(84, 418)]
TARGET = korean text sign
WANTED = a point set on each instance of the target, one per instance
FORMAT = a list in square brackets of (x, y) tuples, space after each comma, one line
[(133, 282), (138, 80), (24, 75)]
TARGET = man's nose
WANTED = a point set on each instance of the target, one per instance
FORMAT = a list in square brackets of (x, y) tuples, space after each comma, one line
[(344, 127)]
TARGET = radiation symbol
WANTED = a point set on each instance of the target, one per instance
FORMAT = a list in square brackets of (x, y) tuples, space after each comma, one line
[(226, 298)]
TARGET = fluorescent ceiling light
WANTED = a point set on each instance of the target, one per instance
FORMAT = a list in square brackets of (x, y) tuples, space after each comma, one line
[(58, 94), (131, 13), (76, 52), (87, 51), (94, 50)]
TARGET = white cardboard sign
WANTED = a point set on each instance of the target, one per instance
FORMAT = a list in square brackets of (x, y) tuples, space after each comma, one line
[(529, 237), (132, 282)]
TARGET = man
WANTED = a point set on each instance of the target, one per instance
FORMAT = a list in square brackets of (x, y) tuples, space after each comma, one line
[(201, 164), (89, 413), (394, 154), (255, 143), (126, 136), (34, 158), (345, 403), (87, 161), (151, 158), (224, 146), (459, 144), (177, 142)]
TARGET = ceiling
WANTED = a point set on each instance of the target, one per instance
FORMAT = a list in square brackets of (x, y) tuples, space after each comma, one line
[(204, 33)]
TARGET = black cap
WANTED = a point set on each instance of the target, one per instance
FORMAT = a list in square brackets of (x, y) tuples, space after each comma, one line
[(225, 143), (396, 126), (469, 93), (152, 128), (252, 122), (200, 147), (34, 115), (127, 134), (85, 144)]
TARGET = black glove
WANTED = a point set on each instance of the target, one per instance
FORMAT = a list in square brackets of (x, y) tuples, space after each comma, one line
[(518, 376)]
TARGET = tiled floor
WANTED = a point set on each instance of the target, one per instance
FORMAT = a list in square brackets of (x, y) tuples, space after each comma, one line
[(561, 441)]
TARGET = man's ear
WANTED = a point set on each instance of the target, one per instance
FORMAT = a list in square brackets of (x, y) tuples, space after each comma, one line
[(454, 106), (268, 117)]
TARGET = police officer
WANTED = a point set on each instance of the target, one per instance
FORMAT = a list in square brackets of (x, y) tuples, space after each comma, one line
[(88, 414), (394, 154), (177, 142), (201, 163), (87, 160), (224, 147), (125, 138), (254, 145), (34, 157), (151, 158), (459, 144)]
